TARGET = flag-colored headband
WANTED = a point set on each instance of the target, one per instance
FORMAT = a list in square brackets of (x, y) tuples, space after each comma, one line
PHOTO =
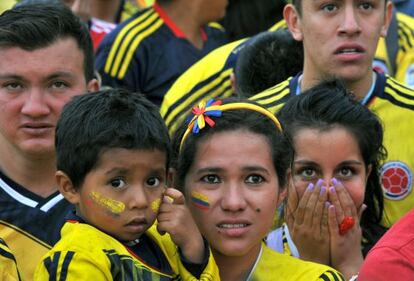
[(214, 108)]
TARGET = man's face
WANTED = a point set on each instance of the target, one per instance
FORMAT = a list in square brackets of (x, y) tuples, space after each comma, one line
[(340, 37), (34, 86)]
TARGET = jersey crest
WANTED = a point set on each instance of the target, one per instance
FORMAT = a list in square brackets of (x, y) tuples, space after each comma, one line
[(396, 178)]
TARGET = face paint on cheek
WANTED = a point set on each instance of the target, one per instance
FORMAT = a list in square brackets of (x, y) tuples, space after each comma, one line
[(199, 201), (155, 205), (113, 206)]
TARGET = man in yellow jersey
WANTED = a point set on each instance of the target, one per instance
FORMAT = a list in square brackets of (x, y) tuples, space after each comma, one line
[(46, 58), (339, 40)]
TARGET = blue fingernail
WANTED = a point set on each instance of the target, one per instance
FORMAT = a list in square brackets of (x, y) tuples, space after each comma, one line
[(334, 181), (310, 187), (332, 189), (319, 182), (323, 190)]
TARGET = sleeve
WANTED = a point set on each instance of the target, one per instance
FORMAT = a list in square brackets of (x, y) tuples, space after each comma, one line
[(194, 268), (118, 65), (8, 266), (71, 266), (384, 264), (331, 275)]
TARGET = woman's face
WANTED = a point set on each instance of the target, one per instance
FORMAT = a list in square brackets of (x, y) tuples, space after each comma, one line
[(329, 154), (233, 191)]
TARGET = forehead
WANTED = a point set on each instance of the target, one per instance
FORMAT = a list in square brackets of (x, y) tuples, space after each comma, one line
[(336, 142), (230, 147), (62, 55)]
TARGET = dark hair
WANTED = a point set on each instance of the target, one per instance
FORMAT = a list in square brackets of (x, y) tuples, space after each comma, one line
[(232, 120), (268, 59), (92, 123), (327, 105), (35, 26), (245, 18)]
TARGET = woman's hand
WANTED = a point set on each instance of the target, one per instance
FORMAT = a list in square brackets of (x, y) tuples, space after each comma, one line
[(307, 220), (345, 246)]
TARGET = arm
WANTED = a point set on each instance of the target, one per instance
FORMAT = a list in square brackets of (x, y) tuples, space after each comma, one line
[(384, 264)]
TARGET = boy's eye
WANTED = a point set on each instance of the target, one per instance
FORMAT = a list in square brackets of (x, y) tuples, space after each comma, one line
[(254, 179), (366, 6), (153, 182), (210, 179), (117, 183)]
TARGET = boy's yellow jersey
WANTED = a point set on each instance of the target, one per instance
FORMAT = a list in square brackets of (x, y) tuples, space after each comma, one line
[(86, 253)]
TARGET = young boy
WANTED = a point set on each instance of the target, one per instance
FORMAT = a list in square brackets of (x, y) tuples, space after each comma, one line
[(112, 159)]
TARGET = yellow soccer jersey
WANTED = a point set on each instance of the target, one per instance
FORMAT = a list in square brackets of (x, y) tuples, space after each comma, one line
[(86, 253), (206, 79), (272, 266), (404, 62), (394, 105), (8, 267)]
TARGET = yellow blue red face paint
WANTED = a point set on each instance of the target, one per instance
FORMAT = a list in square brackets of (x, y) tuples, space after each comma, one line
[(199, 200), (113, 206)]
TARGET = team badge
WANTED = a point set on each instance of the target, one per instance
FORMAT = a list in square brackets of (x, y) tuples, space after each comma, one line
[(380, 67), (396, 178), (409, 76)]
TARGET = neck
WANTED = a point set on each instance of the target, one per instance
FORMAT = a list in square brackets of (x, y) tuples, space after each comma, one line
[(105, 10), (236, 268), (359, 88), (36, 174), (186, 16)]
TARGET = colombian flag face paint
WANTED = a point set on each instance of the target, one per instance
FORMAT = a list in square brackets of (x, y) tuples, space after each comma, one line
[(199, 200)]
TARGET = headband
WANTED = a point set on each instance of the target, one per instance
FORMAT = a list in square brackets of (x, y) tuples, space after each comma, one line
[(214, 108)]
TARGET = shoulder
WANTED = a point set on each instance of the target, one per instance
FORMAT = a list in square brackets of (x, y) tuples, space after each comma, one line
[(273, 97), (290, 268), (398, 93)]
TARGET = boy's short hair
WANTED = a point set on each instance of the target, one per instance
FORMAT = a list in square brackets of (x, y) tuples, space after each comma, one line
[(115, 118), (36, 26)]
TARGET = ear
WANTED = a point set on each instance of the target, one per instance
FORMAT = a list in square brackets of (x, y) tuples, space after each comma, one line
[(66, 187), (93, 85), (387, 18), (293, 21)]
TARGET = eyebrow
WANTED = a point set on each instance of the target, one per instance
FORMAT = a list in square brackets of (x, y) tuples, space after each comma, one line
[(312, 163), (124, 171), (54, 75), (245, 169)]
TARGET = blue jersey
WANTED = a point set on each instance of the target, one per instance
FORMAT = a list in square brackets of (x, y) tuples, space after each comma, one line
[(148, 52), (29, 224)]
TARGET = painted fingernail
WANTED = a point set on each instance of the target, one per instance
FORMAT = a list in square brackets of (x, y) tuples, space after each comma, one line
[(319, 182), (310, 187), (327, 204), (323, 190), (332, 189), (334, 181)]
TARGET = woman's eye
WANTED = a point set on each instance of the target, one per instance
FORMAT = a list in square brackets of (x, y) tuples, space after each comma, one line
[(366, 6), (118, 183), (254, 179), (345, 172), (153, 182), (211, 179), (308, 173)]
